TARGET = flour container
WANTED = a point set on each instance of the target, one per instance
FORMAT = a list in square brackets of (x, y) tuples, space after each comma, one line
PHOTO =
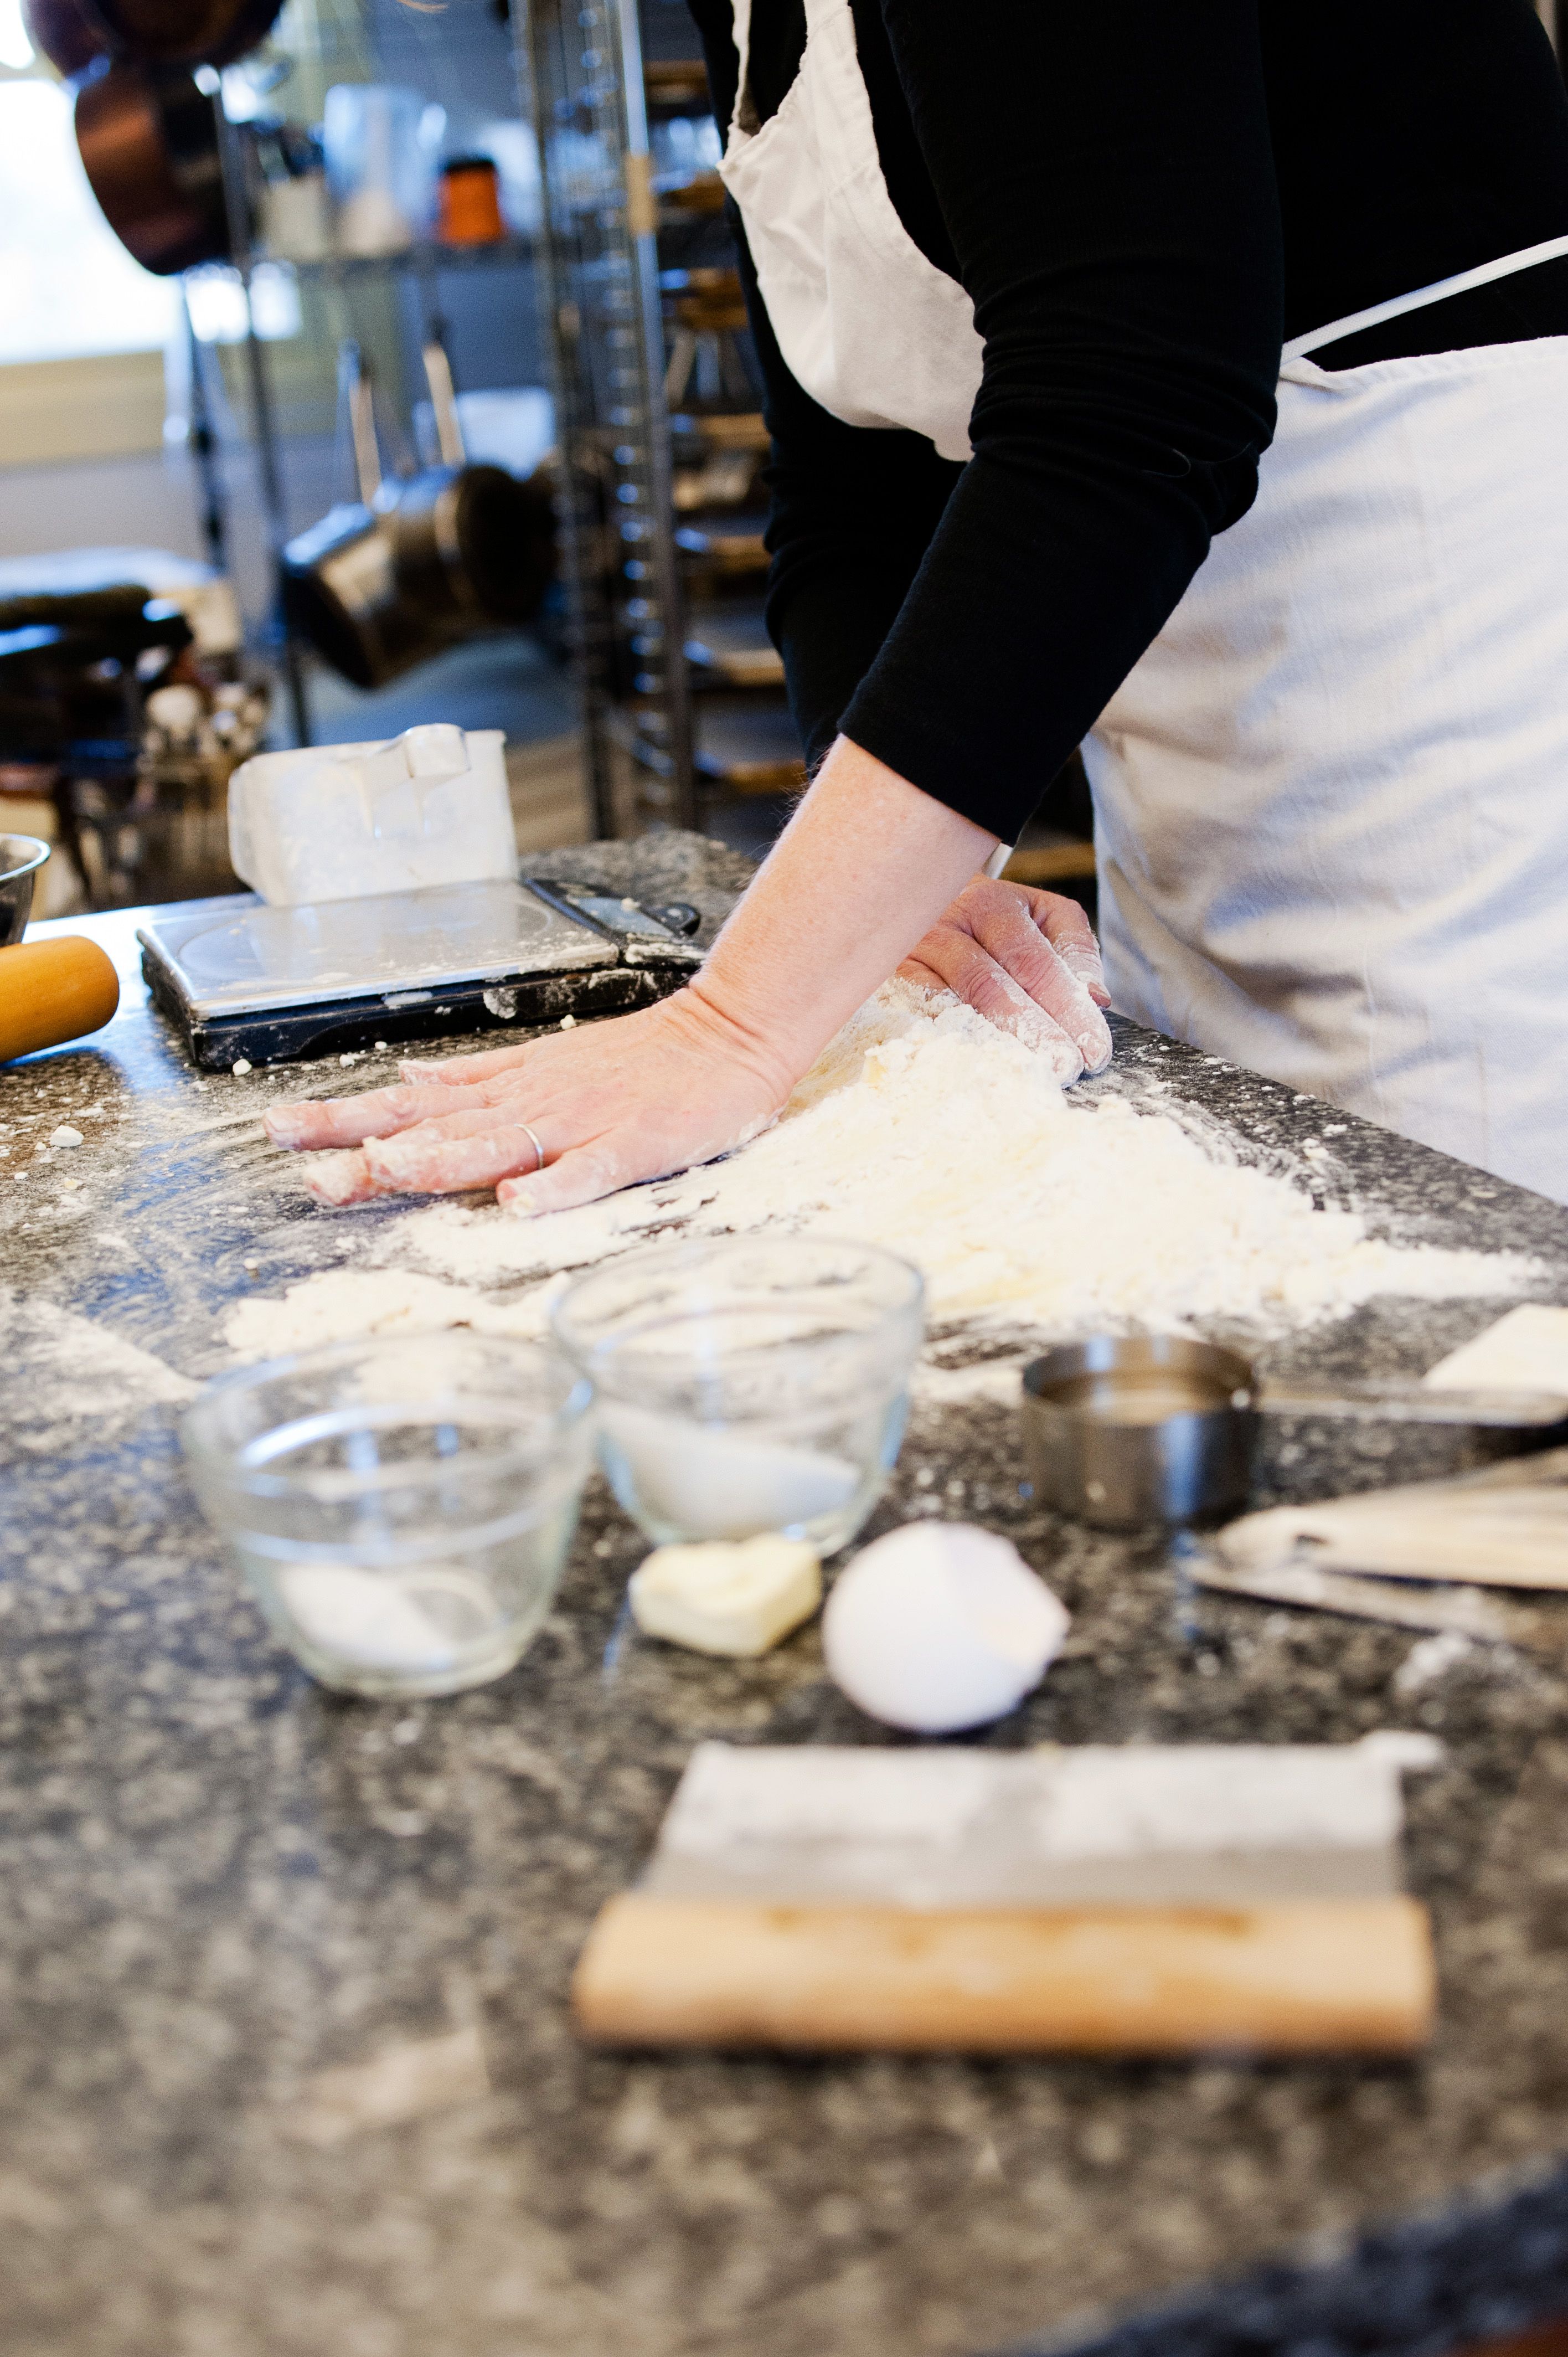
[(341, 822)]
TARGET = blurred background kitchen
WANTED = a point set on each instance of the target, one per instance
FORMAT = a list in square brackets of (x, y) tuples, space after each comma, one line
[(366, 363)]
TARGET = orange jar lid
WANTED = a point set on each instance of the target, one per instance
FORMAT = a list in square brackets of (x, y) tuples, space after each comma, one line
[(470, 209)]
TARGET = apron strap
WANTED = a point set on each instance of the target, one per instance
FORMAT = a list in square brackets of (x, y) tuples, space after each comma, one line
[(743, 106), (1398, 305)]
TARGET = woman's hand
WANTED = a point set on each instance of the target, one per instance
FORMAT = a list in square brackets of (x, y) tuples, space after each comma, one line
[(1028, 960), (611, 1103), (865, 869)]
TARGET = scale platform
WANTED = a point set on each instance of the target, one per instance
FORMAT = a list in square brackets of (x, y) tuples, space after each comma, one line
[(273, 985)]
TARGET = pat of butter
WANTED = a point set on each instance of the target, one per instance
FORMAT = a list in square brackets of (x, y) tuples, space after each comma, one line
[(727, 1597)]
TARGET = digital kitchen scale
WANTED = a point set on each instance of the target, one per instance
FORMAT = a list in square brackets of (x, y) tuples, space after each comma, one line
[(241, 979)]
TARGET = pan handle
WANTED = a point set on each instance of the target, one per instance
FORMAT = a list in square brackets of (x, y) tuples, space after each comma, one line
[(1411, 1402), (444, 402), (355, 394)]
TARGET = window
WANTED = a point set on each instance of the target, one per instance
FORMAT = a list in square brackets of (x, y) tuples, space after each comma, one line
[(68, 287)]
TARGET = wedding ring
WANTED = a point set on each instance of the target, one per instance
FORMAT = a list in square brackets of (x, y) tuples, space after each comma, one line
[(533, 1137)]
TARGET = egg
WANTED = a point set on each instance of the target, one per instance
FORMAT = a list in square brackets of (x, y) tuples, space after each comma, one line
[(940, 1626)]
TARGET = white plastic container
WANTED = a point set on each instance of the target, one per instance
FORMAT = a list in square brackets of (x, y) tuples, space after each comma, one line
[(343, 822), (296, 219), (378, 166)]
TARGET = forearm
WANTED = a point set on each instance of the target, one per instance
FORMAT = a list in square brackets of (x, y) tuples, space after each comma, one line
[(860, 877), (866, 867)]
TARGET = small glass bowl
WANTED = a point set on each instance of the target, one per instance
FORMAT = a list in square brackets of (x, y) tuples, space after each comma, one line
[(400, 1509), (754, 1384)]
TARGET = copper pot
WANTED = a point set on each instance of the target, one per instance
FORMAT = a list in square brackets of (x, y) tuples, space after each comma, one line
[(71, 33), (148, 138)]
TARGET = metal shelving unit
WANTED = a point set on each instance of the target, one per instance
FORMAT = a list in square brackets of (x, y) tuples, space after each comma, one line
[(322, 41), (580, 70)]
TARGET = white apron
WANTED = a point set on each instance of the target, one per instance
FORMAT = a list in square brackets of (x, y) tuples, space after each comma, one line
[(1332, 799)]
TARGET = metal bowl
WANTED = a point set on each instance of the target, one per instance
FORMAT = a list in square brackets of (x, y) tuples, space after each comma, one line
[(21, 856), (1123, 1430)]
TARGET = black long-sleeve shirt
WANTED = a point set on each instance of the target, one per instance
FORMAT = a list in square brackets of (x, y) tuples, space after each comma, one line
[(1142, 200)]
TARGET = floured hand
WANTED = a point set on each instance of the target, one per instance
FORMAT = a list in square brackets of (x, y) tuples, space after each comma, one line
[(864, 875), (1028, 960), (610, 1102)]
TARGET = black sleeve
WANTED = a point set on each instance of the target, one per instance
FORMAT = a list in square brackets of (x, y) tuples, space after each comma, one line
[(852, 513), (1105, 176)]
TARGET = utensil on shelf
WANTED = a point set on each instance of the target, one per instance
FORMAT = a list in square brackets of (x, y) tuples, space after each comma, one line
[(378, 165), (469, 202), (340, 584)]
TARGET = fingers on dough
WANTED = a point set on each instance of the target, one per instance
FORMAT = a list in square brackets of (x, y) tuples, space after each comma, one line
[(349, 1121), (417, 1163), (1067, 927), (985, 985), (1012, 937), (340, 1178), (582, 1176), (456, 1071)]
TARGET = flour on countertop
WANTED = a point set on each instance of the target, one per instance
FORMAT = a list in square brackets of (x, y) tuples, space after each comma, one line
[(346, 1303), (926, 1129), (77, 1367)]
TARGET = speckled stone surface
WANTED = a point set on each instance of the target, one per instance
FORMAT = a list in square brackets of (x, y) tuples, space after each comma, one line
[(220, 1880)]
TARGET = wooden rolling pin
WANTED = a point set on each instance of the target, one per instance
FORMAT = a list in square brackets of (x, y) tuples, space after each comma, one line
[(1333, 1975), (53, 991)]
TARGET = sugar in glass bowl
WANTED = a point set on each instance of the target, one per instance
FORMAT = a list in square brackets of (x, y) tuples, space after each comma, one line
[(400, 1509), (749, 1384)]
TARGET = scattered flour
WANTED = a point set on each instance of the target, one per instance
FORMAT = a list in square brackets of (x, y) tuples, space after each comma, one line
[(925, 1128), (1432, 1658), (348, 1302), (77, 1367), (991, 1379)]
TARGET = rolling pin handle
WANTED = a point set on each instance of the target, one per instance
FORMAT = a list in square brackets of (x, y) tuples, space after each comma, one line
[(53, 991)]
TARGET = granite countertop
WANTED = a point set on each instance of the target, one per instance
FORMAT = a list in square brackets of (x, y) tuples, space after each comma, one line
[(222, 1883)]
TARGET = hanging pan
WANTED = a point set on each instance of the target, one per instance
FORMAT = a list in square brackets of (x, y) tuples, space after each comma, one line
[(148, 138), (340, 584), (73, 33), (473, 543), (383, 582)]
